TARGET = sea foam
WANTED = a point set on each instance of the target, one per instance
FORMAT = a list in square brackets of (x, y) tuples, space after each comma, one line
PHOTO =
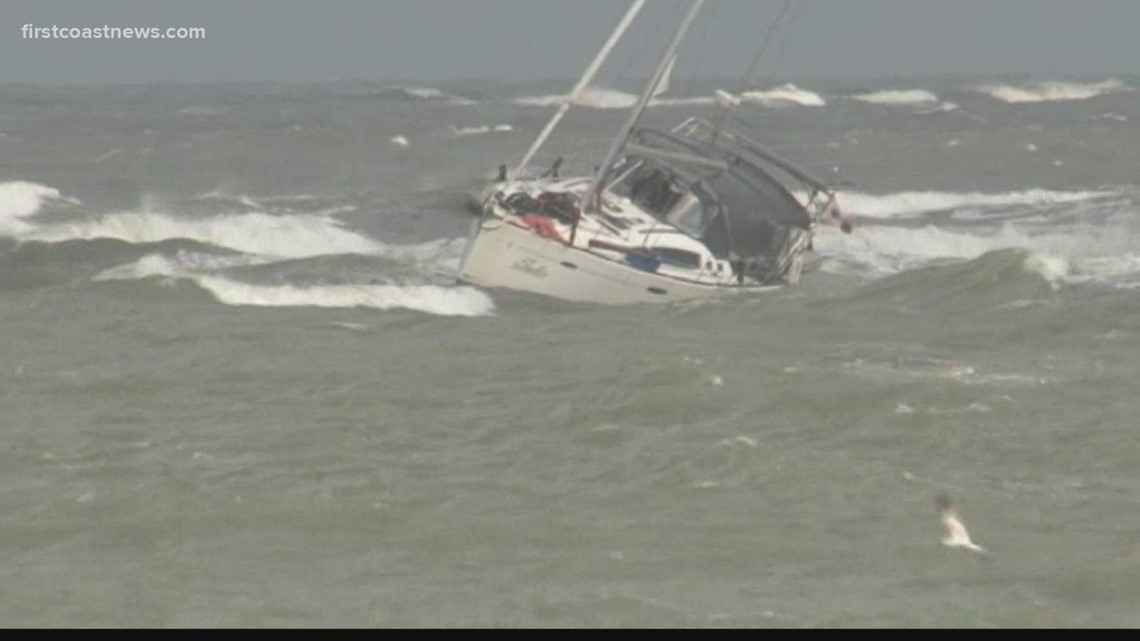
[(894, 97), (787, 95), (1050, 91), (282, 236), (910, 203), (431, 299)]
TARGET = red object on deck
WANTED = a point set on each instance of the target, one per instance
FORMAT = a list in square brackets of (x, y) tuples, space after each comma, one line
[(542, 225)]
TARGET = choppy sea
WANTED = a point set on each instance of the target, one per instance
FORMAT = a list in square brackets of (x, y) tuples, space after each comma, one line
[(241, 388)]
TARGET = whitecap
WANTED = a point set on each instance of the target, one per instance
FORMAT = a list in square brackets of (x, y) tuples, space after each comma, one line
[(432, 299), (591, 97), (897, 97), (909, 203), (787, 95), (21, 198), (284, 236), (1050, 91)]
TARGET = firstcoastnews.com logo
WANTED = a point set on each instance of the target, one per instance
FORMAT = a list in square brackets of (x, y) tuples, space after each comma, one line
[(54, 32)]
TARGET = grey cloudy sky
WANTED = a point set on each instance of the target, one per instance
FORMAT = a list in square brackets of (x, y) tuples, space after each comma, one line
[(435, 40)]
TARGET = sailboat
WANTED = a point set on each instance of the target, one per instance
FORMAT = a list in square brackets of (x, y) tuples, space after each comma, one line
[(700, 210)]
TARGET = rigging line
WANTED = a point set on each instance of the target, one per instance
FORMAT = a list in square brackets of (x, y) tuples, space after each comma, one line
[(749, 75), (767, 40), (782, 46)]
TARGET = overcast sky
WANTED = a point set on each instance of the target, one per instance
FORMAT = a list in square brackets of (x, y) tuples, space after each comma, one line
[(438, 40)]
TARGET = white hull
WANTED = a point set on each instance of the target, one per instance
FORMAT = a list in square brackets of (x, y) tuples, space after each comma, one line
[(502, 254), (696, 212)]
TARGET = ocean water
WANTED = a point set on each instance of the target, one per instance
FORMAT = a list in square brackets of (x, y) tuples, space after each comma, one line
[(242, 389)]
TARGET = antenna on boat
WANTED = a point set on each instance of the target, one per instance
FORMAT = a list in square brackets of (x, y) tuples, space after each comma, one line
[(663, 66), (583, 82)]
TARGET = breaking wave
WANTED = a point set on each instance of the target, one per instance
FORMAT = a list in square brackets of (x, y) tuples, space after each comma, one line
[(898, 97), (181, 264), (197, 268), (541, 101), (424, 94), (289, 245), (1051, 91), (912, 203), (591, 97), (787, 95), (597, 98), (696, 101), (281, 236), (1095, 240), (1076, 257), (431, 299), (21, 199)]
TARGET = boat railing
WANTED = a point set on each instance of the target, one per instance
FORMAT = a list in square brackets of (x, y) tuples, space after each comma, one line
[(701, 129), (816, 195)]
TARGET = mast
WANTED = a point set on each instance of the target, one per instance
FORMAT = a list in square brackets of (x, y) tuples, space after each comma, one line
[(627, 129), (583, 82)]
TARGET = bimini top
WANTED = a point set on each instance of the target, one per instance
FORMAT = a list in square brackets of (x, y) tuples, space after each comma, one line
[(743, 192)]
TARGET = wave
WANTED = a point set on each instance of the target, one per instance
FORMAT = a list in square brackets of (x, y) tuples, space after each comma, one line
[(281, 236), (284, 244), (925, 102), (1001, 278), (442, 255), (911, 203), (255, 232), (591, 97), (257, 202), (1051, 91), (21, 199), (898, 97), (881, 251), (553, 100), (423, 94), (480, 129), (1079, 254), (431, 299), (942, 107), (200, 268), (182, 264), (109, 154), (695, 101), (241, 199), (787, 95)]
